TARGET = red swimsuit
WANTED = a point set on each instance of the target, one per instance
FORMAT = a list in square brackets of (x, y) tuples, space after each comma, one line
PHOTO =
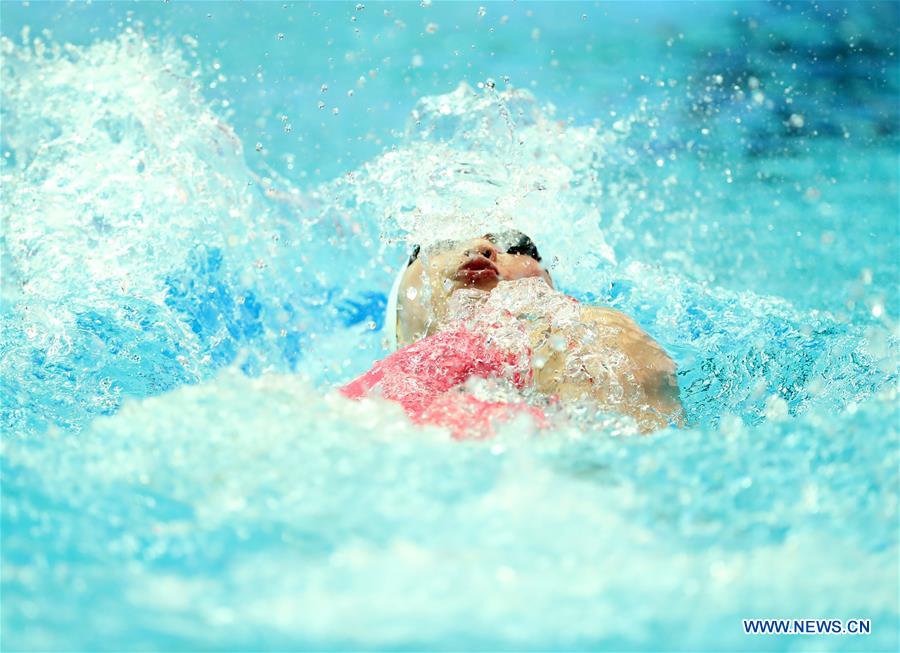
[(426, 378)]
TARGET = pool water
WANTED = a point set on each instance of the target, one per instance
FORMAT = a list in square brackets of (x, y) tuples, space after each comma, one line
[(205, 203)]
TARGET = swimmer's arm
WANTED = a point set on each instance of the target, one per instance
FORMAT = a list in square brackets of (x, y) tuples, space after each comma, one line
[(653, 369)]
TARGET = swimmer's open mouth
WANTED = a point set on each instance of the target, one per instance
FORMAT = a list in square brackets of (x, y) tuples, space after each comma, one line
[(477, 269)]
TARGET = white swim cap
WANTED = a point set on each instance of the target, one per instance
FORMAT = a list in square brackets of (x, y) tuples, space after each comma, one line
[(390, 311)]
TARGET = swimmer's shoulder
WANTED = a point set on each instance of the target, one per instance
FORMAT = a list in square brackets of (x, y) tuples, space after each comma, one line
[(604, 315), (652, 368), (629, 336), (611, 318)]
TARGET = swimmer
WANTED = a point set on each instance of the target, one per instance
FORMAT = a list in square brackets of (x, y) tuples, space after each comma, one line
[(485, 308)]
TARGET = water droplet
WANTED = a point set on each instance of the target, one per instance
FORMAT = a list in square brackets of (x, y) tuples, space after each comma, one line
[(323, 88), (431, 28), (481, 12), (776, 409), (280, 36), (259, 147)]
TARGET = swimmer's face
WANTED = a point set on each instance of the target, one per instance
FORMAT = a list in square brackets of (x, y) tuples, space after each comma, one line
[(441, 269)]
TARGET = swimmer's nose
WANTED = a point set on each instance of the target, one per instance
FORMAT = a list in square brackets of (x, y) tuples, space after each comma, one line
[(482, 247)]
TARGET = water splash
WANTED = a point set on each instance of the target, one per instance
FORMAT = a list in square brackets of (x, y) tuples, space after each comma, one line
[(140, 251), (479, 161), (142, 254), (239, 506)]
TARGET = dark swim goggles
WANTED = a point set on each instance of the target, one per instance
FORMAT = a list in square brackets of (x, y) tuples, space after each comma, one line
[(506, 242)]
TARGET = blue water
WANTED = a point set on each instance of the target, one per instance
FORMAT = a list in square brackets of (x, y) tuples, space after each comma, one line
[(204, 203)]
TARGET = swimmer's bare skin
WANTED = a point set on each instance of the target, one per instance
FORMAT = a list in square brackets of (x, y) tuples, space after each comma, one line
[(646, 381), (617, 365)]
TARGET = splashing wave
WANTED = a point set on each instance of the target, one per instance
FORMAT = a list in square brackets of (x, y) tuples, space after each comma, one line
[(142, 255)]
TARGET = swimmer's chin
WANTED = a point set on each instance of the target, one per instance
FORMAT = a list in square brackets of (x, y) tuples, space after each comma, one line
[(483, 282), (487, 282)]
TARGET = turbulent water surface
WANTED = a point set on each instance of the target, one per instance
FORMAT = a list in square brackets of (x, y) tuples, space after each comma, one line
[(203, 205)]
